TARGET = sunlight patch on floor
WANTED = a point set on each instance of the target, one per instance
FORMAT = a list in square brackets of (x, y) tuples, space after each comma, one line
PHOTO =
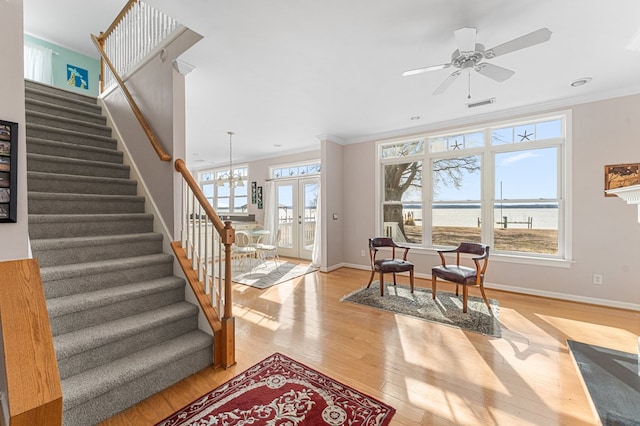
[(280, 293), (256, 317), (590, 332)]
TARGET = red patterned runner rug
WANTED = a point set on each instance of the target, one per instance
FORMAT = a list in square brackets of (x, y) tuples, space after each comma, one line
[(279, 390)]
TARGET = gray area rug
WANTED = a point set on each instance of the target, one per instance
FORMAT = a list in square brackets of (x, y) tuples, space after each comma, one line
[(446, 309), (612, 379), (270, 273)]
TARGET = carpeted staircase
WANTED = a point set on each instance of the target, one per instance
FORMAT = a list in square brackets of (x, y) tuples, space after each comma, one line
[(122, 328)]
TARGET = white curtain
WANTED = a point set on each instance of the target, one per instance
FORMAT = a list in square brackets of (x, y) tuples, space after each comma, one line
[(271, 220), (38, 63), (316, 254)]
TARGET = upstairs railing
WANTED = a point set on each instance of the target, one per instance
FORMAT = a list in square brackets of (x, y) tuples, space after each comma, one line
[(204, 250), (136, 32), (127, 42)]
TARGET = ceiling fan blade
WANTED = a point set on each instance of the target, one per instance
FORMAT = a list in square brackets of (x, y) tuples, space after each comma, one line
[(466, 39), (527, 40), (427, 69), (494, 72), (445, 84)]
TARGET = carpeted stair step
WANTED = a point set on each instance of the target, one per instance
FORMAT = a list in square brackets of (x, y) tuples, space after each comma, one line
[(67, 123), (65, 280), (72, 166), (65, 251), (63, 183), (84, 225), (92, 347), (81, 152), (123, 330), (86, 103), (95, 117), (31, 85), (96, 394), (40, 131), (60, 203), (70, 313)]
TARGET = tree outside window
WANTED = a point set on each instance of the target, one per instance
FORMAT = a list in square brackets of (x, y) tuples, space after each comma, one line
[(519, 211)]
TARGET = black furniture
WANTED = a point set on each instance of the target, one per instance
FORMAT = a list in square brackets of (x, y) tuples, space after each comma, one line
[(463, 275), (391, 265)]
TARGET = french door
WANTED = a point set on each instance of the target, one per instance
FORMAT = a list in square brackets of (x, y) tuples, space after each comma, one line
[(297, 214)]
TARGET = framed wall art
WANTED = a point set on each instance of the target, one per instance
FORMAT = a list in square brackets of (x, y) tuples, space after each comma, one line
[(259, 197), (8, 171), (254, 187), (620, 175)]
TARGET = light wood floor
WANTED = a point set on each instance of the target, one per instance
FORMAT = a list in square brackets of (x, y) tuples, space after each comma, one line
[(432, 374)]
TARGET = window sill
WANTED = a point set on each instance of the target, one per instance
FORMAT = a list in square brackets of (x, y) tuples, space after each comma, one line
[(510, 258), (533, 260)]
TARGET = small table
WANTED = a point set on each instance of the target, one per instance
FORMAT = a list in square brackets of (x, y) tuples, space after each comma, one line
[(257, 235)]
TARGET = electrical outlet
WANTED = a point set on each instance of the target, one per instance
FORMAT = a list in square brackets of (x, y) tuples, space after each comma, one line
[(598, 279), (362, 253)]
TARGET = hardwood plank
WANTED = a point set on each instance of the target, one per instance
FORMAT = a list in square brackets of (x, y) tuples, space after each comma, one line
[(431, 374), (31, 369)]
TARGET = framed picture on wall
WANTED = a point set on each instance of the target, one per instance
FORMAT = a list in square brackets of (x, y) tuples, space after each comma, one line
[(8, 170), (259, 197), (620, 175), (254, 191)]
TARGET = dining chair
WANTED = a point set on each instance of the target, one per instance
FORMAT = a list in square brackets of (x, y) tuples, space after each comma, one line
[(463, 275), (391, 265), (242, 250), (270, 251)]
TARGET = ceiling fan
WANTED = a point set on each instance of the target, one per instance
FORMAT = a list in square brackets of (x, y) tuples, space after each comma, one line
[(469, 55)]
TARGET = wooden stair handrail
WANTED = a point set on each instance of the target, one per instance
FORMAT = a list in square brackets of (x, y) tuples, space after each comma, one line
[(153, 139), (224, 346), (34, 392), (181, 167)]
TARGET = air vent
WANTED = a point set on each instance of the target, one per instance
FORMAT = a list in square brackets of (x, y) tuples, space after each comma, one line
[(481, 103)]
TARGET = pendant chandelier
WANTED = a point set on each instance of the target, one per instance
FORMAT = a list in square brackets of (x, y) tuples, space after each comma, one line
[(231, 179)]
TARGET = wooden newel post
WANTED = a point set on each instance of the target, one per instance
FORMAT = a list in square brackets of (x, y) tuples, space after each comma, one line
[(228, 320)]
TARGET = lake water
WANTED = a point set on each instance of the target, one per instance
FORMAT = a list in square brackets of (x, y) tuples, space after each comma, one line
[(541, 218)]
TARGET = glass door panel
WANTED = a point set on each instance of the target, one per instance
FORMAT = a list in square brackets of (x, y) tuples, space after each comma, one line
[(297, 215)]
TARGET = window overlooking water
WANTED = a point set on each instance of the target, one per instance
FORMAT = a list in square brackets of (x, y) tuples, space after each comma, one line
[(501, 185), (456, 187), (226, 192), (402, 205)]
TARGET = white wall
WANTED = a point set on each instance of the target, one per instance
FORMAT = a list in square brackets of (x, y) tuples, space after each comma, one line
[(158, 93), (333, 197), (606, 233), (14, 236)]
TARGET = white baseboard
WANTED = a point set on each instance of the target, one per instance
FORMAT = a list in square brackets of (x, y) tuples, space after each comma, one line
[(564, 296), (532, 292), (334, 267)]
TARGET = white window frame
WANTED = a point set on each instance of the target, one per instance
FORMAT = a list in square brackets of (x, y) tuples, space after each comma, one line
[(233, 209), (272, 169), (564, 171)]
